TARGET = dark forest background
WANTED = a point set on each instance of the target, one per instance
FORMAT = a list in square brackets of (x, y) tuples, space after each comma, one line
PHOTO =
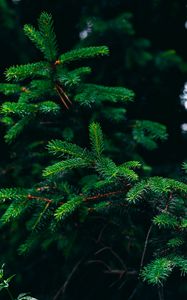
[(149, 56)]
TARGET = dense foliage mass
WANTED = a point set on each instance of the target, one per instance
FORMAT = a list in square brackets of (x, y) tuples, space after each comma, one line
[(81, 201)]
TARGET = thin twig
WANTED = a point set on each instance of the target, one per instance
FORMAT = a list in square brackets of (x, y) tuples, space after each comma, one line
[(114, 253), (100, 262), (168, 202), (135, 291), (64, 94), (160, 292), (98, 196), (145, 246), (10, 294), (104, 195), (39, 198), (65, 104), (64, 286), (101, 233)]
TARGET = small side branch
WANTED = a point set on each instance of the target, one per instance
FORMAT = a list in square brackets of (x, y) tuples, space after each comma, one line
[(62, 99), (64, 286), (145, 245), (103, 195), (160, 292), (135, 291), (62, 94)]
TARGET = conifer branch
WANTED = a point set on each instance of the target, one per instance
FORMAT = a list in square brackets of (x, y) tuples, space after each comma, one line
[(82, 53)]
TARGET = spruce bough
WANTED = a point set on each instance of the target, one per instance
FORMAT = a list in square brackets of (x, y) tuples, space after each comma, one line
[(87, 179)]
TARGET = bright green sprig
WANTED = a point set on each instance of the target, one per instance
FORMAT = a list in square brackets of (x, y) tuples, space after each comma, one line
[(137, 192), (157, 271), (106, 168), (46, 28), (73, 78), (15, 210), (156, 185), (96, 139), (67, 209), (13, 194), (44, 38), (160, 269), (48, 107), (147, 133), (35, 36), (68, 164), (10, 88), (22, 72), (58, 147), (16, 129), (92, 93), (82, 53), (166, 220)]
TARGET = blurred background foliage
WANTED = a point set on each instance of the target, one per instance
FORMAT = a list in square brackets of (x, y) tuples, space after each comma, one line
[(148, 46)]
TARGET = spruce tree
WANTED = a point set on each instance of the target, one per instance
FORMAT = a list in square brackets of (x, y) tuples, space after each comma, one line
[(56, 122)]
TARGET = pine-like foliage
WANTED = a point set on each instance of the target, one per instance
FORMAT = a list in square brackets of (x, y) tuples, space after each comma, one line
[(86, 176), (43, 86), (77, 157), (159, 270), (147, 133)]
